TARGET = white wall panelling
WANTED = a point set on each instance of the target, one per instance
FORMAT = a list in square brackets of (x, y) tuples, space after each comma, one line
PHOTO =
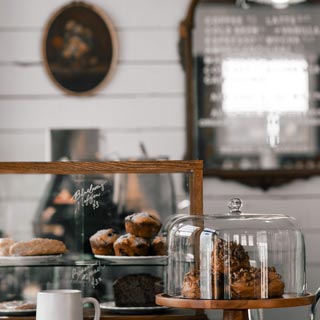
[(162, 142), (313, 278), (128, 79), (20, 145), (124, 13), (137, 45), (111, 113)]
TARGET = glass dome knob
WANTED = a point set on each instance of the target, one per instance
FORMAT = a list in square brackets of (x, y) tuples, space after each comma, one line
[(234, 206)]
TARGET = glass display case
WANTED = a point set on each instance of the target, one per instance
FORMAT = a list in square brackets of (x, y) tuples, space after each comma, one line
[(236, 261), (236, 256), (56, 218)]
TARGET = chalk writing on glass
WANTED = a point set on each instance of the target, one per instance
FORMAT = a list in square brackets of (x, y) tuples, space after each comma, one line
[(88, 274), (89, 197)]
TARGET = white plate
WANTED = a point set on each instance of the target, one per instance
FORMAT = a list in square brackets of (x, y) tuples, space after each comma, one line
[(8, 308), (110, 306), (23, 260), (26, 312), (134, 260)]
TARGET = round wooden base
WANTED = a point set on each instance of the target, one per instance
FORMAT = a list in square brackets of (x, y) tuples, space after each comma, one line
[(235, 309)]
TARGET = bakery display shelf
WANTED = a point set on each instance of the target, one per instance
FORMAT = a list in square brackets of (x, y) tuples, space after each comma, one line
[(16, 261), (45, 261), (38, 261), (133, 260), (236, 309)]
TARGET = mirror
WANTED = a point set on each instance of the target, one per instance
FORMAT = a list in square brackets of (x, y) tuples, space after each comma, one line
[(252, 89)]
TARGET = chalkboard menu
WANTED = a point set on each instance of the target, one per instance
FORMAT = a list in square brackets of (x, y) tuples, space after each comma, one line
[(256, 78)]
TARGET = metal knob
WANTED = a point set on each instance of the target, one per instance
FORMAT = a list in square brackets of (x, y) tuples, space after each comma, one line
[(235, 205)]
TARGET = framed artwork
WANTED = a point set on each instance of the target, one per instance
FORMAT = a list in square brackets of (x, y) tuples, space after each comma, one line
[(80, 48)]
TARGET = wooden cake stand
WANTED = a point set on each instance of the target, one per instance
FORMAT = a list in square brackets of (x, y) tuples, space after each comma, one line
[(235, 309)]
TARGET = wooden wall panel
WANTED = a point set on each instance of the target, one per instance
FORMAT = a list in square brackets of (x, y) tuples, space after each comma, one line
[(136, 45), (20, 145), (25, 212), (21, 188), (111, 113), (163, 143), (128, 80), (124, 13)]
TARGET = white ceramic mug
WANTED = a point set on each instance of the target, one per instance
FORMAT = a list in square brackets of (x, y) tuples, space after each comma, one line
[(63, 304)]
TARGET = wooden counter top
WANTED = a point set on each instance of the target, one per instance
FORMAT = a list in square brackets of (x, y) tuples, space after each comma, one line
[(168, 315)]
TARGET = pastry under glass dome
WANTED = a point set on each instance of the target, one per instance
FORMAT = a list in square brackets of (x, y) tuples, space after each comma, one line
[(235, 256)]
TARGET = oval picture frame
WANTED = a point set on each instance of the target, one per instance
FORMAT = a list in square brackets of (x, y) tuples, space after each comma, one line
[(80, 48)]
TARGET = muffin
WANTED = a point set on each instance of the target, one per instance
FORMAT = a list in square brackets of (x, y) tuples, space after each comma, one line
[(130, 245), (102, 242), (142, 224), (159, 246)]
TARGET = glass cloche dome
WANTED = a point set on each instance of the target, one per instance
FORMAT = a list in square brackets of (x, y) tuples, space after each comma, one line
[(235, 256)]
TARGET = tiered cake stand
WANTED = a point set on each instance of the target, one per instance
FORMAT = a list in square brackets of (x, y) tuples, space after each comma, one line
[(235, 309)]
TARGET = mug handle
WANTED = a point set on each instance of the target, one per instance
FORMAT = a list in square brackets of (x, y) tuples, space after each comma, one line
[(95, 304), (313, 306)]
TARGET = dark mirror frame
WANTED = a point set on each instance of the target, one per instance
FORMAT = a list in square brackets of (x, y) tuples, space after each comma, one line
[(80, 48), (263, 178)]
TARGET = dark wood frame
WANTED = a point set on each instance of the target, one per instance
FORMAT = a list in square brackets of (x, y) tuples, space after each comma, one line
[(114, 41), (263, 179)]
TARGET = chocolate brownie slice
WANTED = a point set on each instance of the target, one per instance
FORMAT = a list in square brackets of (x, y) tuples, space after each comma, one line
[(136, 290)]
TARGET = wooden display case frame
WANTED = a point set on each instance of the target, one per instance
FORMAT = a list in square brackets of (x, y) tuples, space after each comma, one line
[(193, 168)]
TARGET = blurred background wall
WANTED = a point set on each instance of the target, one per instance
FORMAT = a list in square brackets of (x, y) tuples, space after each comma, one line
[(144, 102)]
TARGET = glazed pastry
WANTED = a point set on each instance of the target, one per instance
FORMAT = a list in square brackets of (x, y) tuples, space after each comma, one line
[(5, 244), (37, 246), (130, 245), (275, 284), (159, 246), (102, 242), (246, 284), (142, 224), (191, 286), (229, 257)]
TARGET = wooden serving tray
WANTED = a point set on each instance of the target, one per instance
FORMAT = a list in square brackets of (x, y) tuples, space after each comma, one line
[(235, 309)]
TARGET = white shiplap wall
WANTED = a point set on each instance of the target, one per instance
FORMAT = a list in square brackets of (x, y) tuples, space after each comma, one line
[(144, 102)]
